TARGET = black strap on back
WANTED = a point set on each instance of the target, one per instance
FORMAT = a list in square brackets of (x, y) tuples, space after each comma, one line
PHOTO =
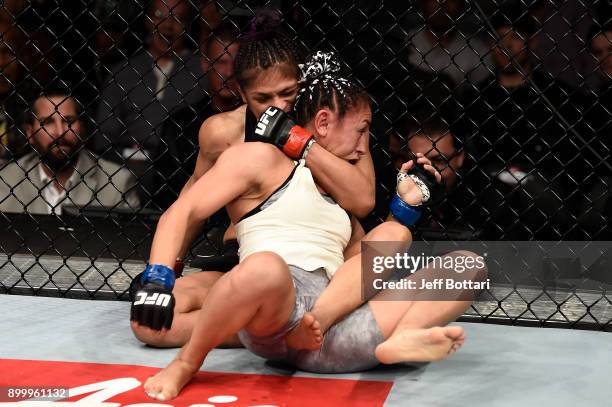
[(250, 124)]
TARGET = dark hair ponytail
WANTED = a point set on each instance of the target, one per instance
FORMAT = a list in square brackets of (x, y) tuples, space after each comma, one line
[(322, 85), (264, 45)]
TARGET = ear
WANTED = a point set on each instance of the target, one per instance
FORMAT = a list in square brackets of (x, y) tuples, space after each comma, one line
[(242, 94), (28, 128), (321, 123), (458, 160)]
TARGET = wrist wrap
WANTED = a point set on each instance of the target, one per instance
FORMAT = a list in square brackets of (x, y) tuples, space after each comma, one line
[(406, 214), (158, 274)]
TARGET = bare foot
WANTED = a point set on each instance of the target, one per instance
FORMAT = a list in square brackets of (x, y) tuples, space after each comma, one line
[(167, 384), (307, 335), (420, 345)]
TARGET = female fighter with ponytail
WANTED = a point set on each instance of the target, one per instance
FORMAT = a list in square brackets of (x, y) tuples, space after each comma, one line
[(267, 71), (292, 239)]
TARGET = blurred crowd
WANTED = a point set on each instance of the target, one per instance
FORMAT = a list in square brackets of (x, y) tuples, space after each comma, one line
[(510, 100)]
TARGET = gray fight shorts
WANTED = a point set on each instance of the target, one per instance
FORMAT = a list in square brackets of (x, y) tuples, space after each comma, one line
[(348, 346)]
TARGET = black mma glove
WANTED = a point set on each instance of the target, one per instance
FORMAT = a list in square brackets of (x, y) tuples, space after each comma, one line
[(431, 190), (278, 128), (153, 304)]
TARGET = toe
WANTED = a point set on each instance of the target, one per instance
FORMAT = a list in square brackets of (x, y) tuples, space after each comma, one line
[(308, 319), (438, 334), (455, 332), (154, 388)]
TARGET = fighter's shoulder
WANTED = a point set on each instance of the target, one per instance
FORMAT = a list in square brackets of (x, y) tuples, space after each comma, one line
[(223, 129), (254, 156)]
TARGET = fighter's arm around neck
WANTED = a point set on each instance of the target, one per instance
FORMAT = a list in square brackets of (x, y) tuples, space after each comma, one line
[(230, 179), (351, 185)]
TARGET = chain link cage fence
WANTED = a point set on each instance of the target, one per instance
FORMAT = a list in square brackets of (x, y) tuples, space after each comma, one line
[(510, 99)]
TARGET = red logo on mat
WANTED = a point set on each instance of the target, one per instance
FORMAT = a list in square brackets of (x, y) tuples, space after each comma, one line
[(92, 384)]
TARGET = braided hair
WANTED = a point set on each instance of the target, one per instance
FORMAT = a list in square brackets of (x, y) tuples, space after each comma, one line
[(323, 86), (265, 45)]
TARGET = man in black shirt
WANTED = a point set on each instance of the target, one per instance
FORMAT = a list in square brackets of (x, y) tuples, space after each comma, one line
[(597, 203), (522, 143), (178, 156)]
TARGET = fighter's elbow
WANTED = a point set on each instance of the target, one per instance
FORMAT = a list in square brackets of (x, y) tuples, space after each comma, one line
[(363, 205)]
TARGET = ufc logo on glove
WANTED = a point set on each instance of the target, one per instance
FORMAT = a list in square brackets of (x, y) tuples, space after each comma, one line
[(152, 299), (264, 120)]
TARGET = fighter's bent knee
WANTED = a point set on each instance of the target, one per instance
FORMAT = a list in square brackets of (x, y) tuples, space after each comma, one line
[(390, 231), (261, 271), (396, 231), (149, 336)]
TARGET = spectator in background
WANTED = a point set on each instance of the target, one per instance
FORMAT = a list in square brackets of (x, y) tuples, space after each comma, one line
[(530, 156), (114, 38), (12, 41), (402, 91), (60, 171), (597, 204), (115, 32), (142, 93), (601, 49), (369, 38), (218, 63), (209, 19), (431, 136), (441, 47), (599, 112), (561, 46), (179, 149), (428, 133), (239, 13), (10, 9), (56, 49)]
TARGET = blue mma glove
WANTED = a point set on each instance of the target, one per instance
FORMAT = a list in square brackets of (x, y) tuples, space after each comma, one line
[(405, 214)]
